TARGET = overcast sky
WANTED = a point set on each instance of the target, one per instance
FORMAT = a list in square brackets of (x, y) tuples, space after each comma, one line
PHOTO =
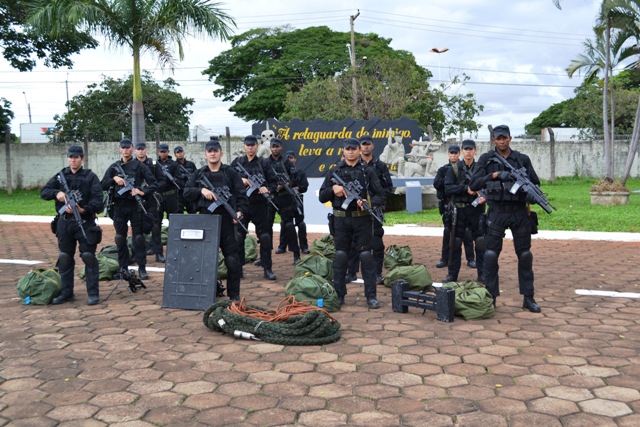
[(514, 51)]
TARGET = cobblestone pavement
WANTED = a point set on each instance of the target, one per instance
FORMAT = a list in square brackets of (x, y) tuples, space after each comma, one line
[(129, 362)]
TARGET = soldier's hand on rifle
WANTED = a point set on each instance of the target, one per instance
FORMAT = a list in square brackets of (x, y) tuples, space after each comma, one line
[(338, 190), (501, 175), (263, 190), (246, 182), (238, 217), (61, 197), (208, 194), (360, 205), (137, 192), (119, 180)]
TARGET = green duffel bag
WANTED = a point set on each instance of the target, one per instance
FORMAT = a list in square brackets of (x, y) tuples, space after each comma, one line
[(39, 286), (250, 248), (222, 267), (107, 266), (417, 275), (325, 246), (164, 232), (472, 301), (317, 290), (396, 256), (110, 251), (315, 263)]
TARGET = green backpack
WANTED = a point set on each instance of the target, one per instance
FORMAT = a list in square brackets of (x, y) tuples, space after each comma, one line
[(110, 251), (325, 246), (250, 248), (472, 301), (315, 263), (309, 287), (39, 286), (417, 275), (395, 256), (107, 266), (222, 267)]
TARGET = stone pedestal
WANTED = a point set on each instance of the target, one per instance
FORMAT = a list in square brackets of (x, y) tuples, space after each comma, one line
[(610, 198)]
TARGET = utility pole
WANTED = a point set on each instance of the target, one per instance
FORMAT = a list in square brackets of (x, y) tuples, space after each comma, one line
[(28, 105), (352, 51)]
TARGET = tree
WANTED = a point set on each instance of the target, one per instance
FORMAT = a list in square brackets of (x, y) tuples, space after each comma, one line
[(21, 46), (157, 26), (6, 115), (104, 111), (264, 64)]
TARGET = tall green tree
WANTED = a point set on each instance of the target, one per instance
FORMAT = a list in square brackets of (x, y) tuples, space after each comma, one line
[(156, 26), (6, 115), (22, 47), (104, 111)]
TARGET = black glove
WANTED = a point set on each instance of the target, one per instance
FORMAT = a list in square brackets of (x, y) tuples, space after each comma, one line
[(531, 199), (504, 176)]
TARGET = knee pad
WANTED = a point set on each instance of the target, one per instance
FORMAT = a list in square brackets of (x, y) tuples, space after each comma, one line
[(89, 259), (341, 258), (65, 261), (302, 226), (480, 243), (458, 243), (490, 258), (525, 259), (289, 228), (139, 241), (366, 259), (265, 241), (120, 240), (378, 231), (468, 236), (232, 262)]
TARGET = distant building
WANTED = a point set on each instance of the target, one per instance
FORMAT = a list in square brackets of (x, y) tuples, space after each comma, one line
[(31, 133)]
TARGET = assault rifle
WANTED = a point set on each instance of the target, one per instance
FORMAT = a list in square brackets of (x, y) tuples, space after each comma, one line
[(73, 197), (107, 202), (130, 185), (283, 180), (352, 191), (184, 171), (522, 181), (453, 210), (480, 193), (256, 182), (222, 199), (167, 174)]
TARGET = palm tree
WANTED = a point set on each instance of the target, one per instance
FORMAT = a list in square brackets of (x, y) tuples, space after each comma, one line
[(157, 26)]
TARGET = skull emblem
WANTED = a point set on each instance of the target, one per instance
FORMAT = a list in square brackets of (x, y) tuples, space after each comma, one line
[(267, 136)]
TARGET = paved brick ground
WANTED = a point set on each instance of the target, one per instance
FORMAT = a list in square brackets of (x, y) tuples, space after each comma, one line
[(128, 362)]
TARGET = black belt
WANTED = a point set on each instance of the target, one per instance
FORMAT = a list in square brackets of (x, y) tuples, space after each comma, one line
[(349, 214), (169, 193), (511, 207)]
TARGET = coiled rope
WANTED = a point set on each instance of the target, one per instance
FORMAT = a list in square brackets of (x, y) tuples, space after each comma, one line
[(292, 323)]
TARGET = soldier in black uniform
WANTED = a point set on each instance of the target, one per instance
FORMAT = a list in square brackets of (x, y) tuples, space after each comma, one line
[(438, 184), (377, 244), (300, 183), (220, 175), (258, 212), (165, 168), (353, 226), (68, 230), (185, 169), (127, 207), (283, 170), (469, 205), (506, 210)]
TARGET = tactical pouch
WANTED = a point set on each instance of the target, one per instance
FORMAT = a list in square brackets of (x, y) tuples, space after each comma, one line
[(54, 224), (533, 221)]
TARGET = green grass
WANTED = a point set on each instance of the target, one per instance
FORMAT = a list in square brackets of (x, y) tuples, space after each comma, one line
[(569, 195)]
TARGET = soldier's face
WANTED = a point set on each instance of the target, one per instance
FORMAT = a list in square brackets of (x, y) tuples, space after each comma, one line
[(276, 149), (366, 149), (163, 155), (213, 156), (454, 156), (251, 149), (126, 152), (74, 162), (469, 153), (351, 153), (179, 155)]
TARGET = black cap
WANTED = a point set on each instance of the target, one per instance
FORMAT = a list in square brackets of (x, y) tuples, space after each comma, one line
[(163, 147), (502, 130), (366, 139), (75, 150), (468, 143), (213, 144), (351, 142), (454, 148), (250, 140), (276, 141), (177, 149), (141, 146), (125, 143), (290, 153)]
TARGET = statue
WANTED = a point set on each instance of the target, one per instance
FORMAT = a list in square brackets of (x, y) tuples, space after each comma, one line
[(264, 150), (393, 154), (419, 161)]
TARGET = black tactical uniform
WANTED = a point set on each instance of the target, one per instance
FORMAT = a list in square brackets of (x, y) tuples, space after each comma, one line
[(258, 212), (506, 210), (126, 209), (167, 198), (283, 169), (377, 244), (467, 226), (185, 169), (68, 230), (225, 177), (300, 181), (353, 226)]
